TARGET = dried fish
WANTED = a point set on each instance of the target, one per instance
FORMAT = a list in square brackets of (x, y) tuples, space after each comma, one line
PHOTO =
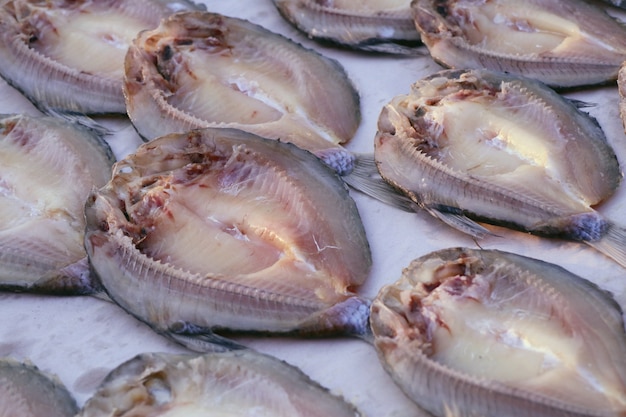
[(474, 144), (241, 383), (384, 26), (562, 43), (47, 169), (487, 333), (219, 229), (27, 392), (69, 55), (201, 70)]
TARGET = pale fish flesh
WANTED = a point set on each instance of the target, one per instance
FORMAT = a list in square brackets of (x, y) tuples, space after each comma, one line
[(201, 70), (240, 383), (48, 167), (473, 145), (68, 56), (384, 26), (25, 391), (487, 333), (221, 230), (562, 43)]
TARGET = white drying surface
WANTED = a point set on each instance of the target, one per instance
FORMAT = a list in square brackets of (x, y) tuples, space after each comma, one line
[(81, 338)]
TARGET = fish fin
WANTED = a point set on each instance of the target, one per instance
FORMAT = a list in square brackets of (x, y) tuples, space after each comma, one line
[(200, 339), (102, 295), (415, 48), (612, 243), (83, 121), (580, 104), (365, 178), (80, 119), (74, 279), (80, 279), (454, 217), (349, 317)]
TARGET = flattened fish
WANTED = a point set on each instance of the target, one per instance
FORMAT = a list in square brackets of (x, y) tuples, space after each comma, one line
[(219, 229), (474, 145), (384, 26), (27, 392), (240, 383), (48, 167), (562, 43), (68, 56), (201, 70), (487, 333)]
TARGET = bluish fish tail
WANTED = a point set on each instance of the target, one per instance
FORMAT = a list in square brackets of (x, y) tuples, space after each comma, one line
[(612, 243)]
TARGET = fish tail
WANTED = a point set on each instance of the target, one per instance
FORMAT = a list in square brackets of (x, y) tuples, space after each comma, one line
[(347, 318), (612, 243), (79, 118), (74, 279), (364, 177), (199, 339)]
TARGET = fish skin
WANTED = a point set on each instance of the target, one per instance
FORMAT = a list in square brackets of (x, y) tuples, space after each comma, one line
[(403, 328), (591, 51), (408, 157), (304, 288)]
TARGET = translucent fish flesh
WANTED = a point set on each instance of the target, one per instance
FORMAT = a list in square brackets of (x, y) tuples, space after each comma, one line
[(473, 145), (562, 43), (384, 26), (25, 391), (68, 56), (201, 70), (48, 168), (241, 383), (487, 333), (218, 229)]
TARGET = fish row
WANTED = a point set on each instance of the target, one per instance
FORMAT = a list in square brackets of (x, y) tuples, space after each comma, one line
[(561, 43), (233, 383), (539, 312), (200, 69)]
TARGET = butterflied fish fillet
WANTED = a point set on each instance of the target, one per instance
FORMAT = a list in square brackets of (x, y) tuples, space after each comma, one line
[(68, 56), (240, 383), (25, 391), (218, 229), (563, 43), (208, 70), (47, 169), (487, 333), (475, 144), (384, 26)]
